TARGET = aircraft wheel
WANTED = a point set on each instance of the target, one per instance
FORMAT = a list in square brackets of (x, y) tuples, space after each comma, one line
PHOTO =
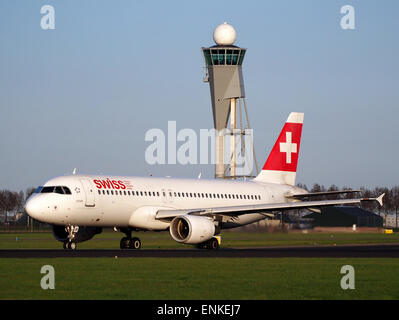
[(201, 246), (135, 243), (213, 244), (69, 245), (125, 243), (72, 246)]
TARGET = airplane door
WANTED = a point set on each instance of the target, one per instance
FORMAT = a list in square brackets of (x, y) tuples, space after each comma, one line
[(89, 193)]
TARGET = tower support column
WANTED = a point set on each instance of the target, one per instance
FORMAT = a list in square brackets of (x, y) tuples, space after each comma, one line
[(220, 151), (233, 127)]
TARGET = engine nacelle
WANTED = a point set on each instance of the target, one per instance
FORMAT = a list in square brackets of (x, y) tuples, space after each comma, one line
[(192, 229), (84, 233)]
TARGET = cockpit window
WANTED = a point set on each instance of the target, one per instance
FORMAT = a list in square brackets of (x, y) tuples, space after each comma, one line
[(66, 190), (59, 190), (54, 189), (47, 190)]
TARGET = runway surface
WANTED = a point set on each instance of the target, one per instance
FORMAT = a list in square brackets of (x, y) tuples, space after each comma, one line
[(341, 251)]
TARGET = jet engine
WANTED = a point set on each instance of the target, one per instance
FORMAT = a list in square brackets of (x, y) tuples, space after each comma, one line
[(192, 229), (83, 234)]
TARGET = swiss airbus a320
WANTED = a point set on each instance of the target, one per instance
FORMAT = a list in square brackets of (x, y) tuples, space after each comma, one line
[(193, 210)]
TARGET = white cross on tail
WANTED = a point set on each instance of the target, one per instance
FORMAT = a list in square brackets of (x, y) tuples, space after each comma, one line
[(288, 147)]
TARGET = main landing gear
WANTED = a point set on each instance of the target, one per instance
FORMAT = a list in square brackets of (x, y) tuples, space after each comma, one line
[(70, 244), (211, 244), (128, 242)]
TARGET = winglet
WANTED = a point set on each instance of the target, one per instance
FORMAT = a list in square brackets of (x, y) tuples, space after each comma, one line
[(379, 199)]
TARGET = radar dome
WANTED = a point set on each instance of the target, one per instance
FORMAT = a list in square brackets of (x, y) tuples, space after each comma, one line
[(224, 35)]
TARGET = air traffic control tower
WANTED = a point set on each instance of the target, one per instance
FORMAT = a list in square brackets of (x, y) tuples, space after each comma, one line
[(223, 71)]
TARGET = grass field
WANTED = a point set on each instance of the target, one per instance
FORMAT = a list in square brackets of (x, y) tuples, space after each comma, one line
[(179, 279), (199, 278)]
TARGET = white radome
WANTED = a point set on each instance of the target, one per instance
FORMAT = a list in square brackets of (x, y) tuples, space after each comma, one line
[(224, 35)]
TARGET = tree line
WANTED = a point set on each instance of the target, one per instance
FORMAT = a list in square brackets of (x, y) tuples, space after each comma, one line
[(12, 203)]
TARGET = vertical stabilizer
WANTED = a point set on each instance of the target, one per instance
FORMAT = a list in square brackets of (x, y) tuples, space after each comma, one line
[(281, 165)]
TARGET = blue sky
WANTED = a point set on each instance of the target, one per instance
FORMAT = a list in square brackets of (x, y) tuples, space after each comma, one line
[(84, 95)]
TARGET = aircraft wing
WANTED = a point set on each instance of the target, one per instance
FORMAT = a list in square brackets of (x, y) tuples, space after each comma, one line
[(262, 208)]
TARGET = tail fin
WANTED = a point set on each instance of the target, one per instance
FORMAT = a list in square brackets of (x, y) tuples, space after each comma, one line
[(280, 166)]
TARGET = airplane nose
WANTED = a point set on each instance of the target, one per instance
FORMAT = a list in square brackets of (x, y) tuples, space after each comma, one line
[(32, 207)]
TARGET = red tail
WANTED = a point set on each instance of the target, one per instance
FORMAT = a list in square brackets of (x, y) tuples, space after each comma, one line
[(282, 162)]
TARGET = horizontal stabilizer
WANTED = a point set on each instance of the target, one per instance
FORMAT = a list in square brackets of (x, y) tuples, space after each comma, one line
[(324, 193)]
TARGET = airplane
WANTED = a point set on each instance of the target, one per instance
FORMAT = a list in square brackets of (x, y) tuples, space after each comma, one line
[(193, 210)]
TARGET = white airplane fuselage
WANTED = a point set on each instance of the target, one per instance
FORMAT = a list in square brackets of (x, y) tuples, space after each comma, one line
[(106, 201)]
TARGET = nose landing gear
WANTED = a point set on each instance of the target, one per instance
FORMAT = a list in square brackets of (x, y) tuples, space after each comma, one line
[(70, 244)]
